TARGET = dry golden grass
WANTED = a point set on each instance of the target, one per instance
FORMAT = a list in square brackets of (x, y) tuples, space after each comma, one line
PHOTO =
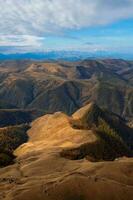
[(41, 174)]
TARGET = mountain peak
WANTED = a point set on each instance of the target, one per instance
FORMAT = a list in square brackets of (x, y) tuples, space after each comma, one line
[(88, 114)]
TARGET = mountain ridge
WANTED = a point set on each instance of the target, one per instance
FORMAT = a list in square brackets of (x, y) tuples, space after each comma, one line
[(65, 55), (37, 85), (56, 162)]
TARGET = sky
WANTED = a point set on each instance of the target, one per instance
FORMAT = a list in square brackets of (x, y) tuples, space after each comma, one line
[(70, 25)]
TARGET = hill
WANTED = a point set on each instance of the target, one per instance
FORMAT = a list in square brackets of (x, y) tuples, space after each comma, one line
[(114, 137), (67, 86), (64, 159)]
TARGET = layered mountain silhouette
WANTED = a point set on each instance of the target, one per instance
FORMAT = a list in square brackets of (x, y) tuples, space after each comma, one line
[(66, 86), (64, 158)]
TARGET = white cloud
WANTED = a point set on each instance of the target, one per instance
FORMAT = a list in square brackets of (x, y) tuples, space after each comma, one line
[(25, 23), (37, 17), (20, 40), (23, 43)]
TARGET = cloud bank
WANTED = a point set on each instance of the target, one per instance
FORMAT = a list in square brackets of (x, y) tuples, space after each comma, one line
[(44, 16), (27, 21)]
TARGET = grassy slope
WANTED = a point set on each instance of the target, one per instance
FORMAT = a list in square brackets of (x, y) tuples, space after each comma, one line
[(115, 139)]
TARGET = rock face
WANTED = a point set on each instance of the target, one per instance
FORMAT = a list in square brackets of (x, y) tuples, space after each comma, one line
[(42, 172)]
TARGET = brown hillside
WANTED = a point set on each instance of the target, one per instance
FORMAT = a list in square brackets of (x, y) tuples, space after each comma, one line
[(42, 173)]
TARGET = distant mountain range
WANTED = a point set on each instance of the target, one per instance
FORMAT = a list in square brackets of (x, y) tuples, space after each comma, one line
[(66, 55), (51, 86)]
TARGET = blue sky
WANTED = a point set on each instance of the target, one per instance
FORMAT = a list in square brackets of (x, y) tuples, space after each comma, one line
[(82, 25)]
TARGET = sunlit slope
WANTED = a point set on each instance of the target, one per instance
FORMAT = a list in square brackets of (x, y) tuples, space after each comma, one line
[(57, 162)]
